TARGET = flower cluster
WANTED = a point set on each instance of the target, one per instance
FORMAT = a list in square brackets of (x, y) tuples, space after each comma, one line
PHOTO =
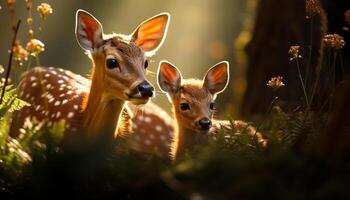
[(334, 41), (20, 54), (294, 51), (44, 10), (35, 46), (313, 7), (276, 82)]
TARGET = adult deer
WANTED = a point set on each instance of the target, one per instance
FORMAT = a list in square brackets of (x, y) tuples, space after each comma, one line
[(118, 75)]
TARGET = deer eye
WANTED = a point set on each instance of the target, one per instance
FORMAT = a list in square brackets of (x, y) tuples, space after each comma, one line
[(211, 106), (146, 64), (184, 106), (112, 63)]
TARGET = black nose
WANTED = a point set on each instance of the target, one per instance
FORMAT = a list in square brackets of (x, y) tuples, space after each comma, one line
[(145, 89), (204, 123)]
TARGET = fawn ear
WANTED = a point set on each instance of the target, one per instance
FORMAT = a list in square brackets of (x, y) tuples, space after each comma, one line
[(217, 78), (169, 77), (88, 31), (150, 34)]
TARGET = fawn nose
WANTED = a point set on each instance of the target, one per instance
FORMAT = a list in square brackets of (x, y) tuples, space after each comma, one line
[(145, 89), (204, 123)]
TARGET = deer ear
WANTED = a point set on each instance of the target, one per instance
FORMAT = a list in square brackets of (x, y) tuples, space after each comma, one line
[(88, 31), (217, 78), (150, 34), (169, 77)]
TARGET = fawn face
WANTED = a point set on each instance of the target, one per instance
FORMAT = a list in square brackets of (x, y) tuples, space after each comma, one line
[(121, 60), (193, 100)]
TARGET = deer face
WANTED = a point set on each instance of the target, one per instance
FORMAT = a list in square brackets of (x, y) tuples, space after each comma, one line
[(120, 61), (193, 100)]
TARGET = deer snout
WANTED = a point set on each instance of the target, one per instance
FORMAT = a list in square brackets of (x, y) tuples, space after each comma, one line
[(204, 123), (145, 89)]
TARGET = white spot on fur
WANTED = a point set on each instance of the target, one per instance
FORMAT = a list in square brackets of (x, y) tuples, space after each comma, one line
[(140, 117), (159, 128), (134, 126), (57, 103), (148, 142), (37, 108), (70, 115), (148, 119), (32, 78), (76, 107), (47, 75), (34, 84), (58, 114)]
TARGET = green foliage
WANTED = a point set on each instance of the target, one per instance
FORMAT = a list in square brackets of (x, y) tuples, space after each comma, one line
[(10, 101)]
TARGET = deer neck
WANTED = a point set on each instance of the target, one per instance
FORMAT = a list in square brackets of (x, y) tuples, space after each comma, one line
[(186, 139), (101, 112)]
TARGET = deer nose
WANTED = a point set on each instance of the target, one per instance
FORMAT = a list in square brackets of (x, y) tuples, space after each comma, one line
[(145, 89), (204, 123)]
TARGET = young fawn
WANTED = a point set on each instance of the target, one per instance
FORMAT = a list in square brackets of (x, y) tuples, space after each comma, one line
[(193, 105), (118, 75)]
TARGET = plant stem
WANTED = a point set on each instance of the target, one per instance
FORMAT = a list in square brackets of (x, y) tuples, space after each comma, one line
[(341, 64), (37, 60), (302, 84), (29, 63), (315, 86), (267, 113), (310, 52), (333, 67), (10, 60)]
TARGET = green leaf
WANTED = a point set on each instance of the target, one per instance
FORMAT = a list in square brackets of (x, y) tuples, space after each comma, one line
[(10, 101)]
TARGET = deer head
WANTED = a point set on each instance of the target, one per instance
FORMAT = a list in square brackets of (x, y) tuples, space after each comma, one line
[(120, 61), (193, 100)]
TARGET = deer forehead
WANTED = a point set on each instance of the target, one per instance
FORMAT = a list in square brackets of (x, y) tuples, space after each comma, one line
[(195, 93), (128, 50)]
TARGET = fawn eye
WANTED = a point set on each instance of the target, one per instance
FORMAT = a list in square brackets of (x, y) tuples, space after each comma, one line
[(211, 106), (112, 63), (184, 106), (146, 64)]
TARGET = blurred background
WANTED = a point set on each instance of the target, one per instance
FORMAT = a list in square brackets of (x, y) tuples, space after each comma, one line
[(201, 33)]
